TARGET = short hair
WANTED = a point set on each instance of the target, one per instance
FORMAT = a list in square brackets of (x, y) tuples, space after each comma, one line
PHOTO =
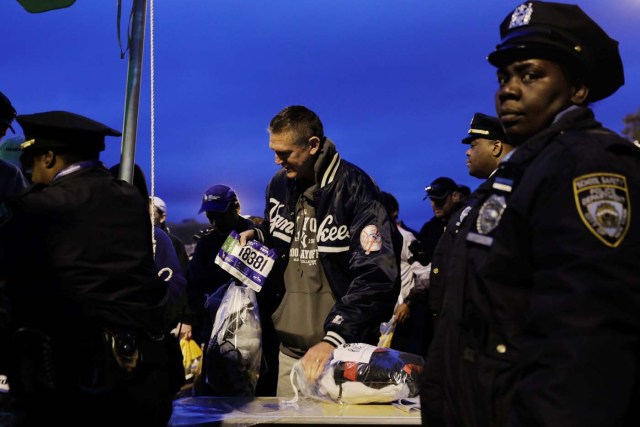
[(390, 202), (298, 119)]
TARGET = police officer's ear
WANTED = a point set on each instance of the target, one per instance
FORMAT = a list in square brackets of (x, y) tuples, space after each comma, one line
[(497, 149), (579, 92), (50, 159)]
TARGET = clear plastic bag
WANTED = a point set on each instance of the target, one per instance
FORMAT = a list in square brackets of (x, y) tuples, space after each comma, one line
[(234, 351), (362, 373)]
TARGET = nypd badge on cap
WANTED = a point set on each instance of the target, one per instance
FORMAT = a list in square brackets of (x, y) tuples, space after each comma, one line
[(562, 33)]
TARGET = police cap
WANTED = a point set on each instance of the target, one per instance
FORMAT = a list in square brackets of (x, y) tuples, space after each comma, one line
[(7, 112), (440, 188), (562, 33), (63, 130), (487, 127)]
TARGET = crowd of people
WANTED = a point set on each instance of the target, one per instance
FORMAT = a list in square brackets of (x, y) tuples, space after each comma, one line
[(522, 296)]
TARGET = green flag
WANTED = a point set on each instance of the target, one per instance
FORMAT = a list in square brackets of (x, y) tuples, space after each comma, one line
[(37, 6)]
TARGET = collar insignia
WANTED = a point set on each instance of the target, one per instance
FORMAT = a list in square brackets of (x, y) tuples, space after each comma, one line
[(603, 204), (521, 16)]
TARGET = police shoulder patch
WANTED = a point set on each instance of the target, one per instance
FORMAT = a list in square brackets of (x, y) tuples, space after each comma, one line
[(490, 214), (603, 204), (370, 239)]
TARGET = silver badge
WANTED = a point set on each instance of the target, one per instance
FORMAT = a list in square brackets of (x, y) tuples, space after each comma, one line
[(490, 214), (521, 16)]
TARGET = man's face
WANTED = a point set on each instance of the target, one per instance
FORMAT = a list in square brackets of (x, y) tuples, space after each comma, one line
[(443, 207), (158, 216), (294, 154), (482, 157), (530, 94), (224, 221)]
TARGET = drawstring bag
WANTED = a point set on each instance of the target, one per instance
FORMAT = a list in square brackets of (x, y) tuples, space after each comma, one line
[(234, 351)]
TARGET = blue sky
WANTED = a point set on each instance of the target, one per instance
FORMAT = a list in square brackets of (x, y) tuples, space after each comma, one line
[(395, 82)]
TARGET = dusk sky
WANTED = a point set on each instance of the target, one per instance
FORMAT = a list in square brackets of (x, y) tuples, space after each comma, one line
[(395, 83)]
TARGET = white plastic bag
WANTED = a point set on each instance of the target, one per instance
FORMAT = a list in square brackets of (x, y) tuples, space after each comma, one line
[(234, 351), (362, 373)]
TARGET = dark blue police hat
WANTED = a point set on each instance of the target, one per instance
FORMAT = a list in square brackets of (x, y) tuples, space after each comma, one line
[(563, 33), (7, 112), (61, 129), (487, 127)]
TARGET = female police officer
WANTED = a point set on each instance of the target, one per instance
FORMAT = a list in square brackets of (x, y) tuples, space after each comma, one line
[(543, 328)]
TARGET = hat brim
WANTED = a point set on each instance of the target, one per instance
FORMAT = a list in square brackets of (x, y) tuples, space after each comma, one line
[(214, 207), (433, 196), (469, 139), (603, 80)]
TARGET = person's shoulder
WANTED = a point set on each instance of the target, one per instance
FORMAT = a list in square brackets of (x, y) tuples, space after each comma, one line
[(593, 147), (353, 177), (9, 168), (161, 235), (431, 222), (175, 239)]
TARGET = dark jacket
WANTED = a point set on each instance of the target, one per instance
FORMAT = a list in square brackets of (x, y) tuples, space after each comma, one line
[(79, 262), (82, 257), (430, 234), (365, 283), (541, 307)]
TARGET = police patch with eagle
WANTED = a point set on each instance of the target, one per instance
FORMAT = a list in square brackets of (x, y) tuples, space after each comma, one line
[(603, 203)]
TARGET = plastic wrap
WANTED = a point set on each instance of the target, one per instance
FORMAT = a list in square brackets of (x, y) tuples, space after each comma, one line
[(362, 373), (234, 350)]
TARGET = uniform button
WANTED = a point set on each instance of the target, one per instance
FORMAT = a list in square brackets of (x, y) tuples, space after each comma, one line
[(436, 270), (501, 348)]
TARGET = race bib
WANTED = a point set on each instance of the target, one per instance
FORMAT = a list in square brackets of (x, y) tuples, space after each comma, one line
[(250, 264)]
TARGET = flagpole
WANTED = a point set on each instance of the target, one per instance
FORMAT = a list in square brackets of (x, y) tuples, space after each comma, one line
[(132, 101)]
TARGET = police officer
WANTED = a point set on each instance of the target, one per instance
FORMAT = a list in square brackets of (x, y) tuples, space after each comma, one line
[(488, 145), (87, 345), (12, 181), (544, 328), (445, 197)]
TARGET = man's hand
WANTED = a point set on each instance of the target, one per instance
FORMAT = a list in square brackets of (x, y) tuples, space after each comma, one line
[(315, 359), (402, 313), (184, 330), (245, 236)]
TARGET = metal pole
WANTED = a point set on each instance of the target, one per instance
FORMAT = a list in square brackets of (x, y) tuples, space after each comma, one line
[(132, 102)]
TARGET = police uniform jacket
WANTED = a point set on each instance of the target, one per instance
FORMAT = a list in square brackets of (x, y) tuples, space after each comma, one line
[(348, 211), (79, 255), (540, 321)]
